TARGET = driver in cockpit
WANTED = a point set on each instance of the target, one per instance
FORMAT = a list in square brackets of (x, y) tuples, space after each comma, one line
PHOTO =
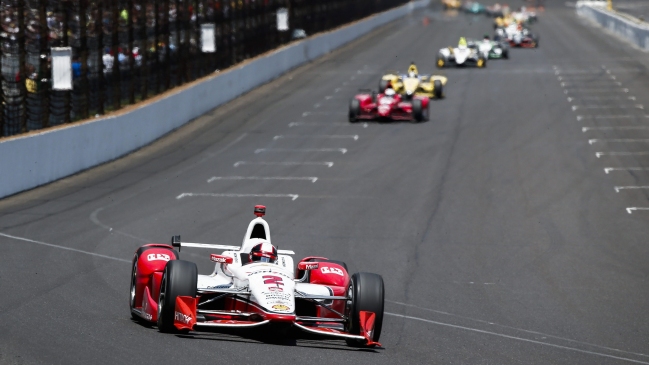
[(412, 70), (462, 43)]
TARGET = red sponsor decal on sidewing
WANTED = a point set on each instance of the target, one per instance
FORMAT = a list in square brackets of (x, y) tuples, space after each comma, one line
[(185, 313)]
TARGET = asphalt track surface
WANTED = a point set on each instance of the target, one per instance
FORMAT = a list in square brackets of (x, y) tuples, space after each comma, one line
[(497, 229)]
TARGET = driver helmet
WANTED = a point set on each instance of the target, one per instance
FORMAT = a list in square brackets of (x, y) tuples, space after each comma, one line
[(462, 43), (263, 252), (389, 92), (412, 70), (486, 37)]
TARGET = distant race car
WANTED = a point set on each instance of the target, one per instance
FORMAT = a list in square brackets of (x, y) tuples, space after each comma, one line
[(490, 49), (474, 7), (414, 84), (386, 106), (255, 285), (517, 36), (452, 4), (462, 55)]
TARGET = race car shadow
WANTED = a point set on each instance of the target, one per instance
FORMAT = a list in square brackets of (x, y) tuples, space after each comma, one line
[(289, 338), (389, 121), (306, 341)]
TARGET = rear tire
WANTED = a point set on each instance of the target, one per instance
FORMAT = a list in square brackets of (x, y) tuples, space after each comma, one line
[(367, 293), (383, 84), (179, 279), (354, 110), (438, 89), (136, 258)]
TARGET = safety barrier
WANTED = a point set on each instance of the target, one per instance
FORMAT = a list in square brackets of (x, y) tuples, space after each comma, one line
[(28, 161), (125, 51), (624, 26)]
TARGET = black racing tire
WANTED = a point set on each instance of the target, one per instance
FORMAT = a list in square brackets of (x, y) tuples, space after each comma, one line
[(383, 84), (438, 89), (417, 111), (179, 279), (131, 301), (136, 257), (367, 293), (482, 64), (506, 54), (354, 110)]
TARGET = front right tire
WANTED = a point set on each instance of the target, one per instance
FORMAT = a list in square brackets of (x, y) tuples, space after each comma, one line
[(354, 110), (438, 89), (367, 293), (179, 279)]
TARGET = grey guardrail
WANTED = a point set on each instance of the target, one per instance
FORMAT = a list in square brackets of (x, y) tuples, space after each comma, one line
[(625, 27), (35, 159)]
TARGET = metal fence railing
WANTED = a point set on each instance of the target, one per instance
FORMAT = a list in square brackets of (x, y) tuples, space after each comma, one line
[(125, 51)]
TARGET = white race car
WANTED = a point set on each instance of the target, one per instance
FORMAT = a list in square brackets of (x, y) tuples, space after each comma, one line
[(255, 285), (462, 55)]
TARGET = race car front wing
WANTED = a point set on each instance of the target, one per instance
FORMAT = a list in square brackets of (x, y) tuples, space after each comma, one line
[(186, 318)]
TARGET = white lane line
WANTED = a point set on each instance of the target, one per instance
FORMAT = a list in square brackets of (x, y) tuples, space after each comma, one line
[(317, 105), (618, 188), (518, 329), (214, 195), (94, 217), (577, 83), (322, 113), (630, 210), (341, 150), (333, 136), (215, 178), (315, 124), (328, 97), (610, 169), (635, 106), (284, 163), (516, 338), (600, 154), (596, 90), (337, 89), (63, 247), (622, 128), (607, 97), (580, 117), (618, 140)]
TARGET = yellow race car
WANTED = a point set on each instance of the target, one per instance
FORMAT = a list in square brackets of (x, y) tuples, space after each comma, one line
[(452, 4), (413, 84)]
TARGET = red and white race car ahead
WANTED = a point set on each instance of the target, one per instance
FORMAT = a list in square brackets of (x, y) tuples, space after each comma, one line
[(388, 106), (319, 297)]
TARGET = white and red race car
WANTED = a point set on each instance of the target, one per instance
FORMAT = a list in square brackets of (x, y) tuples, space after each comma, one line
[(319, 297)]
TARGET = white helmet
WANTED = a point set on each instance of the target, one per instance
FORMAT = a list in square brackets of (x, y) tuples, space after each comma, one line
[(389, 92)]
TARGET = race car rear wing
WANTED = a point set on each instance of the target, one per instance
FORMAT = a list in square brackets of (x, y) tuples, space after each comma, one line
[(176, 242)]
